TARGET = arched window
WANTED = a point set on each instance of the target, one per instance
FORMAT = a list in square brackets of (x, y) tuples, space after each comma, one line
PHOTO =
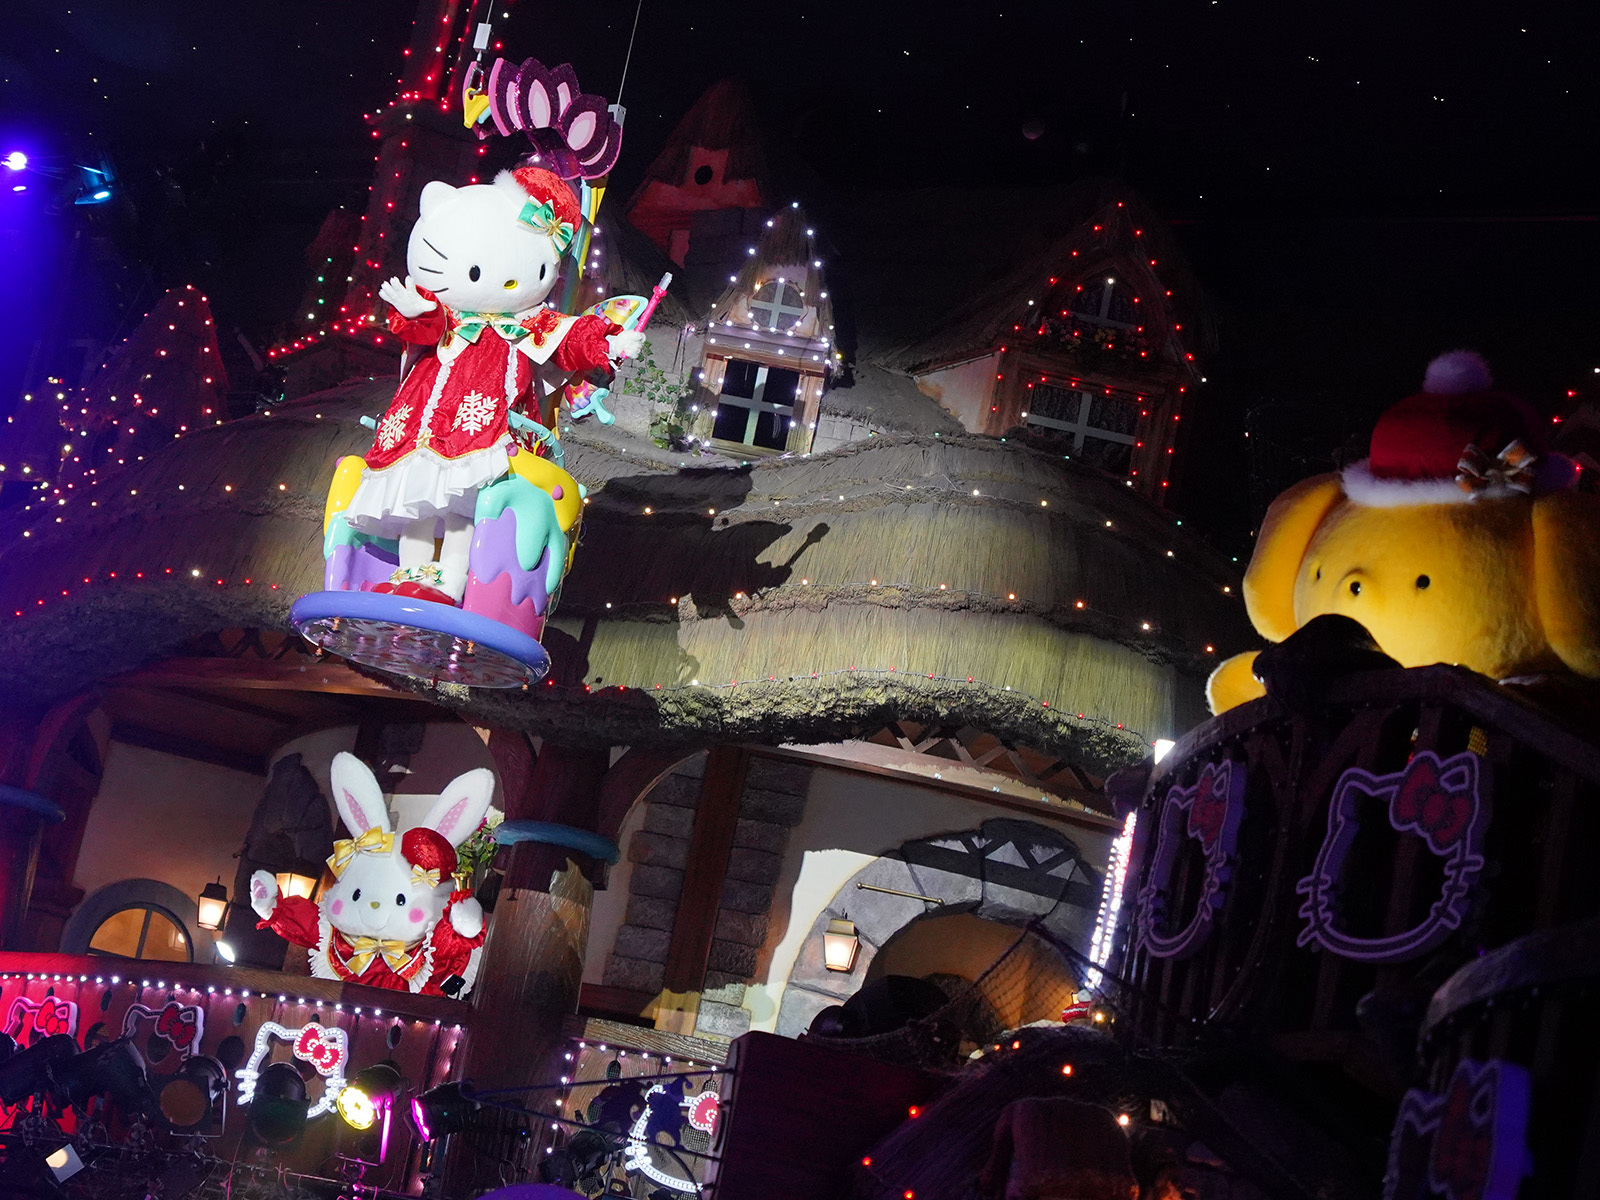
[(777, 304), (138, 918), (142, 931)]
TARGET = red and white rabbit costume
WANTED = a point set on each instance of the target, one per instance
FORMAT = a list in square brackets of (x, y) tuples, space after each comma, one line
[(482, 258), (391, 919)]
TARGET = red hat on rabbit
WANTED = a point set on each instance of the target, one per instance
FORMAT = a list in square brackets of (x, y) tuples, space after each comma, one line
[(431, 856)]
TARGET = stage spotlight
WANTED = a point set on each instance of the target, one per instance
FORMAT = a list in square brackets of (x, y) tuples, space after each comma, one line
[(278, 1110), (226, 953), (448, 1108), (191, 1097), (27, 1072), (63, 1162), (15, 161), (369, 1096), (114, 1069)]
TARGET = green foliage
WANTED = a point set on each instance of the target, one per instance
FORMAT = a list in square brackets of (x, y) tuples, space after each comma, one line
[(668, 397)]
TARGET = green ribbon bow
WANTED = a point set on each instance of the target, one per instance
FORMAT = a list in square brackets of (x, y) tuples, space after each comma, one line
[(469, 325), (542, 217)]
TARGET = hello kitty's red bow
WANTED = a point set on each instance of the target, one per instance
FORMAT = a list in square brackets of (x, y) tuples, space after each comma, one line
[(1208, 812), (53, 1017), (178, 1024), (1422, 804), (320, 1048)]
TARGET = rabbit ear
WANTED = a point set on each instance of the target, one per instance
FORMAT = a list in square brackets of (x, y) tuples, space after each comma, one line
[(357, 795), (461, 806)]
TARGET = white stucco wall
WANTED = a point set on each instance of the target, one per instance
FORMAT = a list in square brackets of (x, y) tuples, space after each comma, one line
[(166, 818), (964, 389), (849, 820)]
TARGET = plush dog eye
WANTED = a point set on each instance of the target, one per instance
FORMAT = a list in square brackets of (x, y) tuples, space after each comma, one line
[(355, 895), (1423, 581), (474, 274), (1355, 587), (400, 900)]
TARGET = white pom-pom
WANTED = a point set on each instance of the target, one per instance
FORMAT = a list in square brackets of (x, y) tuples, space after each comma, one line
[(1457, 372)]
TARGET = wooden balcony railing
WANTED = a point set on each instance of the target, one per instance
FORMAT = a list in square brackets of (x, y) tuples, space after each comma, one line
[(1287, 866)]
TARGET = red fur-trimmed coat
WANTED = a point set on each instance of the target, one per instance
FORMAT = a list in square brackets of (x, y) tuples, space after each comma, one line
[(432, 960)]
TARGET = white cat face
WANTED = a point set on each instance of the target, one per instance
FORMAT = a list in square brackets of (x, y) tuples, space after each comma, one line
[(469, 249)]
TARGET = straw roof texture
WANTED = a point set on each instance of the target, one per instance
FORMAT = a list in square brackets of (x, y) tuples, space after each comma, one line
[(812, 604)]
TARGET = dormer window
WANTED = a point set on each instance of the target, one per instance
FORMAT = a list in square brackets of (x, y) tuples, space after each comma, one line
[(777, 304), (1105, 300)]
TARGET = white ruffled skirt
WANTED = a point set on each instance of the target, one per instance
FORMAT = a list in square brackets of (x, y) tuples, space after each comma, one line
[(424, 484)]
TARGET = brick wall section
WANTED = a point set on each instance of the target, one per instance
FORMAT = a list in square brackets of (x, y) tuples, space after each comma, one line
[(658, 852), (771, 805)]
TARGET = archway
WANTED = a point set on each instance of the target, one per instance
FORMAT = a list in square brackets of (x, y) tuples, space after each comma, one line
[(1006, 872)]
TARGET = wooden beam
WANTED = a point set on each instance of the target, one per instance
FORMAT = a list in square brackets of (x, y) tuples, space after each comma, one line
[(710, 846), (183, 747), (679, 1046), (327, 675)]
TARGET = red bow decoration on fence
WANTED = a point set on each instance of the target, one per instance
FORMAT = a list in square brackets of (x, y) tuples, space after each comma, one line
[(178, 1024), (1208, 812), (1423, 805)]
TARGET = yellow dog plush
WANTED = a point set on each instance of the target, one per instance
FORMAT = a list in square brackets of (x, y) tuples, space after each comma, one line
[(1459, 540)]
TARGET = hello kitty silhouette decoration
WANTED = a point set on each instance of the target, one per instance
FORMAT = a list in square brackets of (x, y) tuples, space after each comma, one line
[(393, 917), (467, 456)]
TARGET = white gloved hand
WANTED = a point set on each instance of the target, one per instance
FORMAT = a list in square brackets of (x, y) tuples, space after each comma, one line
[(405, 298), (466, 917), (626, 344), (263, 894)]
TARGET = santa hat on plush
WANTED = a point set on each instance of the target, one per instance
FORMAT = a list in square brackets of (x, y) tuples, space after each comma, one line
[(1456, 441), (432, 857), (546, 202)]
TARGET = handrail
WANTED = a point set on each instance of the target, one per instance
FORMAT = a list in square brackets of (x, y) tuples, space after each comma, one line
[(1474, 694), (1560, 955), (83, 968)]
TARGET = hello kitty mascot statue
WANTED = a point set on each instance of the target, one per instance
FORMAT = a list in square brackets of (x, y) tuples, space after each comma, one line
[(392, 918), (467, 455)]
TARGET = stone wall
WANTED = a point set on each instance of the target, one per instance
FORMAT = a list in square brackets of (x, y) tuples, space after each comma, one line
[(770, 805), (658, 851)]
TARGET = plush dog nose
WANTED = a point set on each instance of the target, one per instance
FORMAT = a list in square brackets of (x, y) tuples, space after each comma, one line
[(374, 903)]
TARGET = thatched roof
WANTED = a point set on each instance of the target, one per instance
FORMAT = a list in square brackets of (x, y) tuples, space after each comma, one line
[(1104, 224), (722, 119), (630, 265), (789, 239), (887, 400), (814, 603)]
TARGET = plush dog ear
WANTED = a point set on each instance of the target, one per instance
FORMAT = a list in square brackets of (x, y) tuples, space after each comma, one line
[(1566, 576), (357, 795), (1286, 531), (461, 806)]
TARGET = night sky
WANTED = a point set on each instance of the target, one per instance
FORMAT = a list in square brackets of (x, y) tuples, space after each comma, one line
[(1358, 186)]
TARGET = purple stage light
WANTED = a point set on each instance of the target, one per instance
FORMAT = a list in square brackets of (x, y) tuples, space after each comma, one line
[(15, 161)]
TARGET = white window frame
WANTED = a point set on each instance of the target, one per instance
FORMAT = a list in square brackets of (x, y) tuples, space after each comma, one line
[(777, 308)]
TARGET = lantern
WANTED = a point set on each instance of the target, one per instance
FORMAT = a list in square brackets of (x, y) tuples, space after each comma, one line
[(299, 880), (213, 906), (839, 945)]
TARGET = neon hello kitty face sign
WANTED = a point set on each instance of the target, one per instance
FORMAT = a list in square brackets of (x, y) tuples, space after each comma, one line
[(181, 1024), (326, 1048), (1210, 813), (1468, 1144), (43, 1018), (1436, 801)]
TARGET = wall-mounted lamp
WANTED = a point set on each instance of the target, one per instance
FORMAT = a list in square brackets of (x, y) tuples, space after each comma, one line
[(298, 881), (839, 945), (213, 906)]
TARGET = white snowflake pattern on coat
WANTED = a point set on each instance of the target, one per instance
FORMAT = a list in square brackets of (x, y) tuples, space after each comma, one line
[(475, 413), (393, 427)]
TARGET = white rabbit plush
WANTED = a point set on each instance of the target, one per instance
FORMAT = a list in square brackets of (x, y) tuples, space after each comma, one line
[(391, 918)]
